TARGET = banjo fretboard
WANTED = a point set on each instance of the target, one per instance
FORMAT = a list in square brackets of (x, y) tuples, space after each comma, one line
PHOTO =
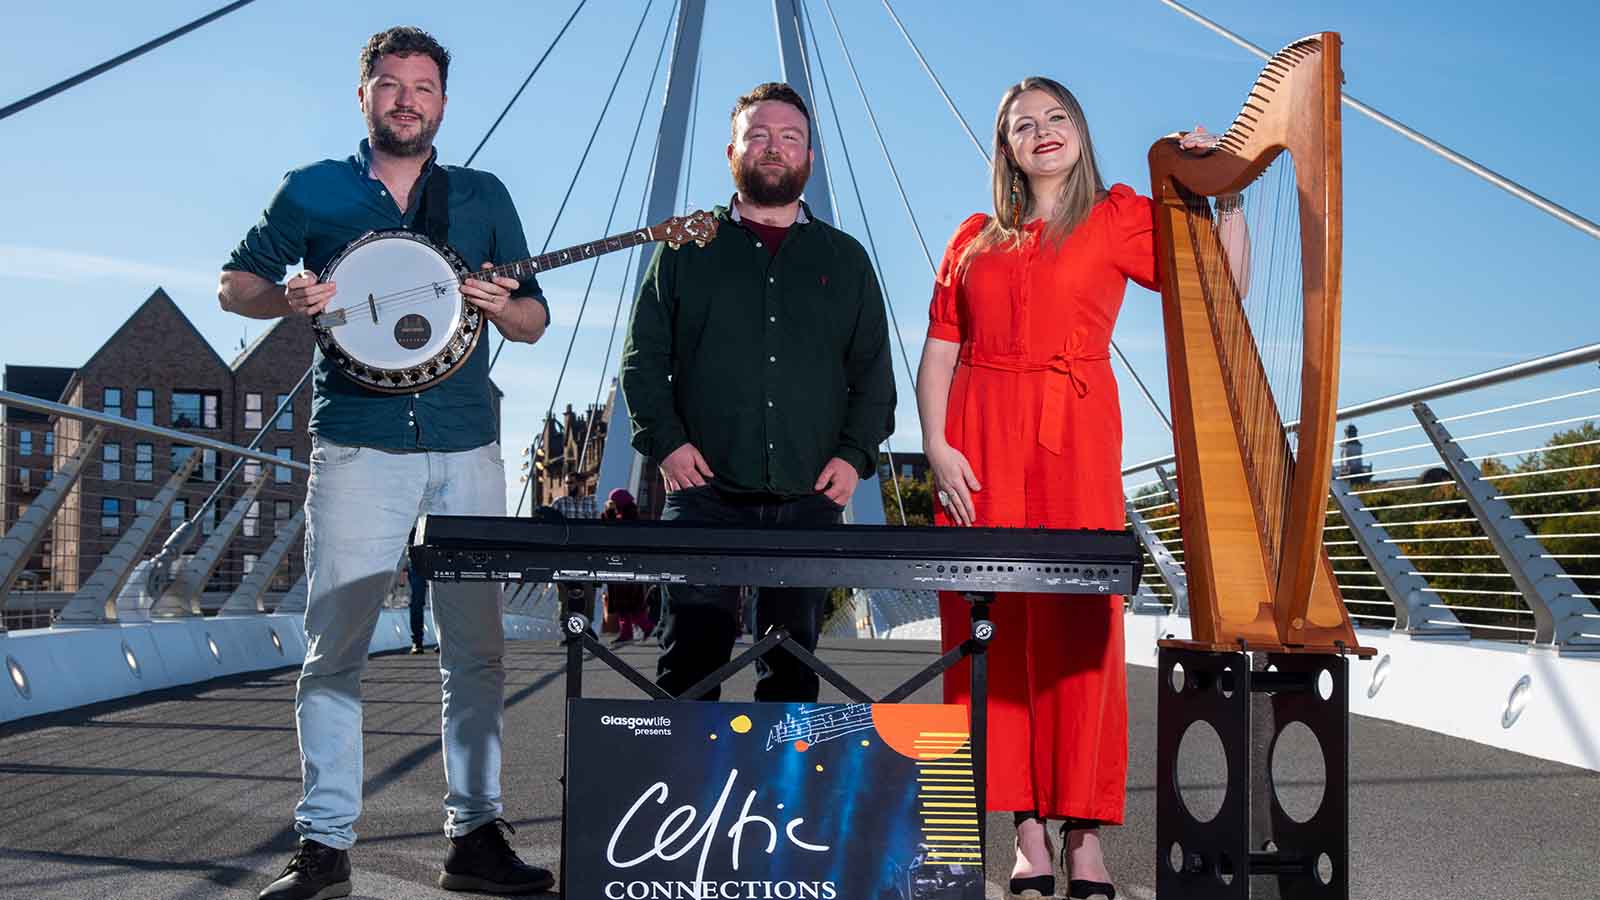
[(557, 258)]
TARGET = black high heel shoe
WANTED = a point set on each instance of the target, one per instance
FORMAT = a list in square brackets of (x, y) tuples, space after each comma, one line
[(1043, 885), (1082, 888)]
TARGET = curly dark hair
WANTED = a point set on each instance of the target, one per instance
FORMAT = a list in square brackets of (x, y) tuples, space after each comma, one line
[(772, 90), (404, 40)]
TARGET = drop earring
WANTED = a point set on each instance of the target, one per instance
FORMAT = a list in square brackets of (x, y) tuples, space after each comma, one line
[(1016, 199)]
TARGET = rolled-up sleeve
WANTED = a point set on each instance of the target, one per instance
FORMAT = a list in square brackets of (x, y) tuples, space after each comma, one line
[(277, 241)]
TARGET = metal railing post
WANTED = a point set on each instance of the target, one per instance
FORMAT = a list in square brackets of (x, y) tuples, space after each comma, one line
[(1167, 565), (96, 602), (181, 597), (23, 539), (1408, 591), (246, 599), (1558, 614)]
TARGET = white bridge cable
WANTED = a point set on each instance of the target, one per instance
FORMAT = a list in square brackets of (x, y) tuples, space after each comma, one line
[(984, 153), (577, 173), (1494, 178), (935, 79), (108, 65), (878, 132), (866, 224), (866, 221), (555, 393), (514, 97), (628, 267)]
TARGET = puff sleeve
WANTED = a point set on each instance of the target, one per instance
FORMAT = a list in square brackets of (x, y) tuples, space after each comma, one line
[(944, 312), (1131, 236)]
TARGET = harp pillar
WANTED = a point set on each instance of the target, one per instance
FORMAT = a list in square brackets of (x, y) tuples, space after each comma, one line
[(1219, 855)]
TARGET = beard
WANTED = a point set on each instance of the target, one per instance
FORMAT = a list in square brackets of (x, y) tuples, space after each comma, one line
[(385, 138), (765, 187)]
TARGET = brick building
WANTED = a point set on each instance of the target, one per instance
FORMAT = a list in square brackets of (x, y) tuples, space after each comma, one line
[(566, 467), (157, 369), (29, 445)]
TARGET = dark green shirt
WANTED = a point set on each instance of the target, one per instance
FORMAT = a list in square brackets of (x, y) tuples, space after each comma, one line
[(769, 365), (324, 206)]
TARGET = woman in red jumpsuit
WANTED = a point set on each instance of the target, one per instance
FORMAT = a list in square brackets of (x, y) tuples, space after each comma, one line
[(1022, 428)]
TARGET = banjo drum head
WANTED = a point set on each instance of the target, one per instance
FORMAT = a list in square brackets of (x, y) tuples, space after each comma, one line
[(413, 288)]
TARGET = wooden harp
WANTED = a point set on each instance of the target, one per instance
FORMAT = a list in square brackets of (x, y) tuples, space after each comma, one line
[(1253, 491)]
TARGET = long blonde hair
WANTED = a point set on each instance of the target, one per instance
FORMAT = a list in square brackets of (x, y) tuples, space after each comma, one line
[(1079, 192)]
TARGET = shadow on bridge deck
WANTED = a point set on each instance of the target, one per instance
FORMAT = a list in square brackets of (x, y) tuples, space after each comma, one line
[(187, 794)]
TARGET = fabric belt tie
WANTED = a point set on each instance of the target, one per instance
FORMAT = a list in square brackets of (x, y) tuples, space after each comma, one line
[(1053, 408)]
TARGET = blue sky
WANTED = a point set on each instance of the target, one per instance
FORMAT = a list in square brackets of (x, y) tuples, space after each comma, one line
[(148, 175)]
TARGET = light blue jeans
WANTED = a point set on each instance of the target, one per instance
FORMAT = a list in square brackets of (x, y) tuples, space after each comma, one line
[(361, 504)]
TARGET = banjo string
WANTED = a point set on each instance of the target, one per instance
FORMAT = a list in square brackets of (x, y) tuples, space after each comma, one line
[(408, 296)]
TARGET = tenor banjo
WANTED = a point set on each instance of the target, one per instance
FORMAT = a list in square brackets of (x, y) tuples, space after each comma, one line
[(410, 328)]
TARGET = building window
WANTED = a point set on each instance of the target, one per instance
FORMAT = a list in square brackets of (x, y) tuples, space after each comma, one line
[(144, 406), (111, 401), (24, 478), (110, 515), (282, 512), (250, 560), (907, 470), (283, 474), (252, 519), (252, 412), (111, 461), (252, 470), (177, 513), (195, 409), (206, 471), (50, 444), (140, 505), (208, 519), (24, 443), (286, 418), (144, 462)]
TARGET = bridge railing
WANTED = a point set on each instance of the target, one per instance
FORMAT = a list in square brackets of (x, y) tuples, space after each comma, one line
[(113, 519), (1469, 509)]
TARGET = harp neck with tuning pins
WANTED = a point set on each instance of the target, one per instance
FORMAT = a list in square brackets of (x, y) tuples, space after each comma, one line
[(1248, 351)]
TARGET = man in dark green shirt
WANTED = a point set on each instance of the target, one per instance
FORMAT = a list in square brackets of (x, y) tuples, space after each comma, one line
[(757, 373)]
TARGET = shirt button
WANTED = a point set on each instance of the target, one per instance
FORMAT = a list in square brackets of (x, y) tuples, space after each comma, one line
[(771, 280), (758, 243), (769, 404), (772, 359), (769, 447), (772, 318)]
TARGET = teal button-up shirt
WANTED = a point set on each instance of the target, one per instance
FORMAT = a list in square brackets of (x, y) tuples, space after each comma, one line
[(324, 206)]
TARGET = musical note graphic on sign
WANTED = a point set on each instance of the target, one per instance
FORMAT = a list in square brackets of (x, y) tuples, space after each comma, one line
[(819, 724)]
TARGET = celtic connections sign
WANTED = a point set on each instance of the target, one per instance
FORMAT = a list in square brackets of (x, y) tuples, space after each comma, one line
[(770, 801)]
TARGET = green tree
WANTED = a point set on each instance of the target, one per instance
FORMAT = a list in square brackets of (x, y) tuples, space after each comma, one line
[(917, 496)]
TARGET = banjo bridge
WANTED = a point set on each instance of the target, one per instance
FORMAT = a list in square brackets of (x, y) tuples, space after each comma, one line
[(329, 319)]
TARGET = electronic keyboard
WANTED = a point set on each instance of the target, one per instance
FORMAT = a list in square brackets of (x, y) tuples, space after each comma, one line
[(974, 560)]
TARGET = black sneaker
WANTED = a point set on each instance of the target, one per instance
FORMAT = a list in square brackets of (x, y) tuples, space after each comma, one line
[(315, 872), (481, 860), (416, 648)]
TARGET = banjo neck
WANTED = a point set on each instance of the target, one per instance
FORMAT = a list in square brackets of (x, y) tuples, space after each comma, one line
[(555, 259)]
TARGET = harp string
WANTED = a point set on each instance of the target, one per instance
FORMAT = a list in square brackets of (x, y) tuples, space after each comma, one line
[(1259, 337)]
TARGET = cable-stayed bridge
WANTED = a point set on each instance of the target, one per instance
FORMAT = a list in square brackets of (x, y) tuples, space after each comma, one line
[(150, 748)]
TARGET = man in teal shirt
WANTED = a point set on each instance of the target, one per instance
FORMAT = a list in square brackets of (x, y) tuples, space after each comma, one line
[(380, 460), (757, 373)]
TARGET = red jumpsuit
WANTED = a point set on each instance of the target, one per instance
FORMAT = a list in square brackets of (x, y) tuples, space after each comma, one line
[(1034, 407)]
